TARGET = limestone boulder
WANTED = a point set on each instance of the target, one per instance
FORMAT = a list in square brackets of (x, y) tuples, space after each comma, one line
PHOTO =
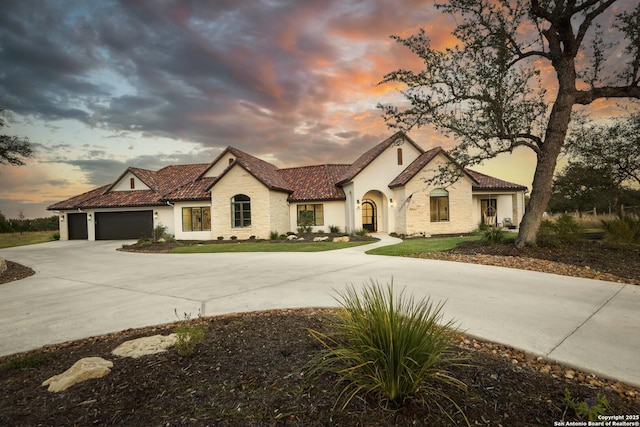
[(341, 239), (321, 239), (292, 237), (82, 370), (3, 265), (145, 345)]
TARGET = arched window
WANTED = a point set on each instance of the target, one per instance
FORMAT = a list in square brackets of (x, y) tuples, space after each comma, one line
[(240, 211), (439, 199)]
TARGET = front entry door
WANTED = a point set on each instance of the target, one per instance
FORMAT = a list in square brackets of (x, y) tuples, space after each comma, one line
[(369, 216), (489, 208)]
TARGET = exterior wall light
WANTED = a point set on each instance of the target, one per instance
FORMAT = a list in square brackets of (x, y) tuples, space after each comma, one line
[(155, 215), (90, 217), (62, 217), (391, 202), (358, 203)]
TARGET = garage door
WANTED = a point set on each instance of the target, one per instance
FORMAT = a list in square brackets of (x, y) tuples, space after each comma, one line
[(123, 225), (77, 224)]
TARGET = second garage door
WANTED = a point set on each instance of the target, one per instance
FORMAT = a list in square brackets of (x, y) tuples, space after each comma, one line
[(123, 225)]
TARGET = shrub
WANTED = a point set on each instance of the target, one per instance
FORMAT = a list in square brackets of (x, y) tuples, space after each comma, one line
[(320, 231), (158, 233), (234, 237), (360, 232), (624, 230), (220, 237), (334, 229), (589, 408), (189, 335), (274, 235), (493, 235), (387, 345), (55, 236), (555, 233)]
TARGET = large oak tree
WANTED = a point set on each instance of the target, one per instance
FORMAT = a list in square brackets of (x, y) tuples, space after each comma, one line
[(489, 91), (13, 150)]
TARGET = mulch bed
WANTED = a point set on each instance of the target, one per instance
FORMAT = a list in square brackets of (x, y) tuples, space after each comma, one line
[(251, 369), (15, 272)]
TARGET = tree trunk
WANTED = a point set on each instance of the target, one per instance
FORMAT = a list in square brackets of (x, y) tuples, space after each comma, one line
[(543, 177)]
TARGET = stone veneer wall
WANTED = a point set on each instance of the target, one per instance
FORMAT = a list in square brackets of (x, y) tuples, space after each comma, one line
[(418, 216), (239, 181)]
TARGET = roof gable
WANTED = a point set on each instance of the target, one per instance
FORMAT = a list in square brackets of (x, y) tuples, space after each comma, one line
[(263, 171), (363, 161)]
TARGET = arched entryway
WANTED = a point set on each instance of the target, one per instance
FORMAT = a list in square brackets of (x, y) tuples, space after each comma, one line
[(369, 216)]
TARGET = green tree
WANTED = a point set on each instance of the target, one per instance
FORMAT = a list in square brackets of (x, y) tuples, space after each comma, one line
[(581, 187), (614, 147), (13, 150), (488, 91)]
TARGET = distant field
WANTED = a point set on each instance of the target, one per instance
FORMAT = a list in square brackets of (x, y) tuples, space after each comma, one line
[(9, 240)]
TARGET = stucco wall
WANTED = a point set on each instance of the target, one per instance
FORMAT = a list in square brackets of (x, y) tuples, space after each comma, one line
[(219, 166), (176, 218), (376, 177), (125, 183), (334, 214)]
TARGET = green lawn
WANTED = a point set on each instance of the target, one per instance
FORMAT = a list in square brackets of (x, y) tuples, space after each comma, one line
[(419, 246), (266, 247), (9, 240)]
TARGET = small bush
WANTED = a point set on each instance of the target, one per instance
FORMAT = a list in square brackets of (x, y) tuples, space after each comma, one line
[(387, 345), (588, 408), (360, 232), (158, 233), (493, 235), (274, 235), (188, 336), (622, 231), (320, 232), (563, 230), (27, 361), (234, 237), (55, 236), (220, 237), (334, 229)]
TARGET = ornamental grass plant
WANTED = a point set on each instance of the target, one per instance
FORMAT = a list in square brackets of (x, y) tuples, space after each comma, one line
[(389, 346)]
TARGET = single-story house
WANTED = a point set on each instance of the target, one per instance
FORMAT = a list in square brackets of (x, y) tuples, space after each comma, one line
[(237, 194)]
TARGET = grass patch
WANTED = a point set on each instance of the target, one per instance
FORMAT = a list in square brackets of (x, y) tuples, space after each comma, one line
[(421, 246), (266, 247), (9, 240)]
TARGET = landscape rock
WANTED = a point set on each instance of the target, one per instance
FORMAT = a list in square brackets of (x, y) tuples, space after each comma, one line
[(145, 345), (292, 237), (3, 265), (321, 239), (341, 239), (82, 370)]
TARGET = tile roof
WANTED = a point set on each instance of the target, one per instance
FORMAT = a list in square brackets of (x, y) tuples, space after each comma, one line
[(486, 182), (364, 160), (307, 183), (315, 182)]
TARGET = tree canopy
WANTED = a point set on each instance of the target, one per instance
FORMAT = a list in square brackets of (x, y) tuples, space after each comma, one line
[(514, 77), (13, 150)]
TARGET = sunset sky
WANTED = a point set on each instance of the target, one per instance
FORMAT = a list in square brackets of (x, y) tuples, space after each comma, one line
[(100, 86)]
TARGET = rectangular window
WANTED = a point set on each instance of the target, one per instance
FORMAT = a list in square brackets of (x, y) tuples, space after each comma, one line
[(439, 208), (310, 215), (132, 183), (196, 219), (399, 156)]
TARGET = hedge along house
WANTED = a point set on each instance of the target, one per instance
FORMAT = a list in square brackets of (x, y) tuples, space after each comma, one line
[(237, 194)]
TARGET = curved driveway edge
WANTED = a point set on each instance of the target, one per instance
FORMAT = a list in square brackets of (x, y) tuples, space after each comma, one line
[(83, 289)]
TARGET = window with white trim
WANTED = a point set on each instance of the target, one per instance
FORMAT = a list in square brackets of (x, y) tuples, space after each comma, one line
[(310, 214), (196, 219), (439, 204)]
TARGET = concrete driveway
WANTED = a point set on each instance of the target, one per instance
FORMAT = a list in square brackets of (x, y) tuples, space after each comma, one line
[(83, 289)]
